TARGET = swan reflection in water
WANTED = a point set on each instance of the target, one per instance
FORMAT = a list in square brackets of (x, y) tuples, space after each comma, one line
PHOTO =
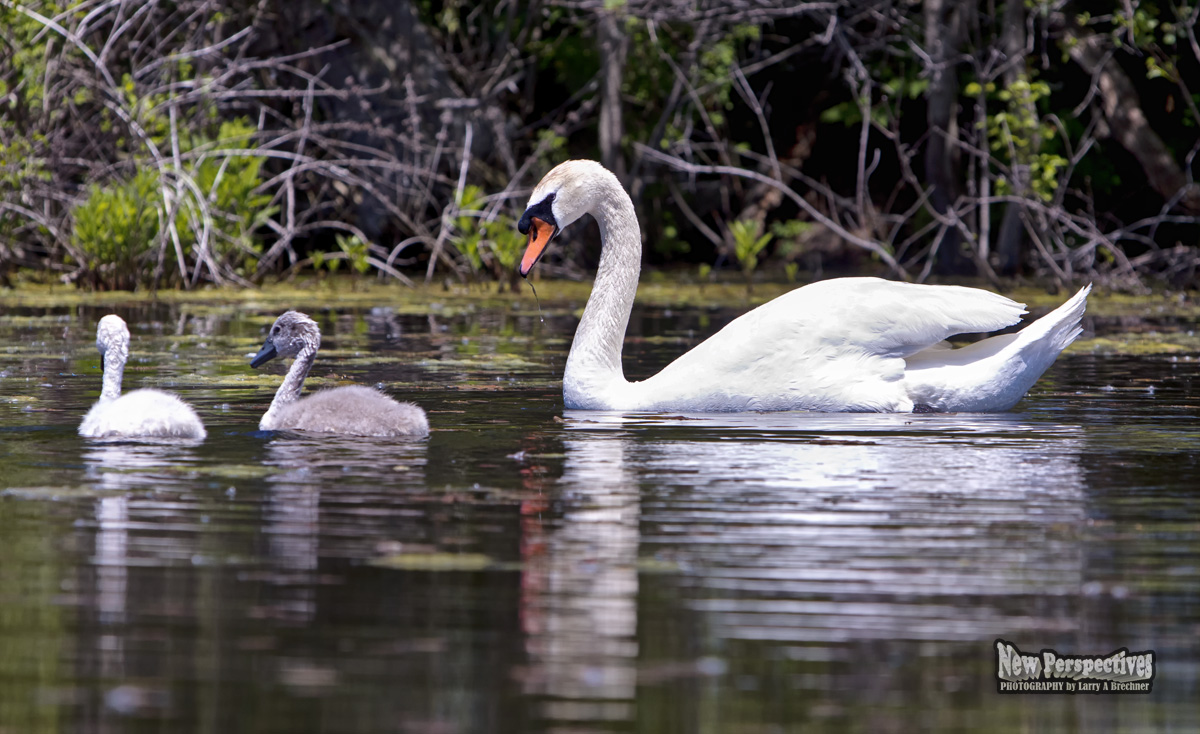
[(820, 529), (144, 464), (579, 594), (114, 470), (309, 469)]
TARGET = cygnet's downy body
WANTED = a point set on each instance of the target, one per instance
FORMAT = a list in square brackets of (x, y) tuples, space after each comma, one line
[(352, 410), (145, 413)]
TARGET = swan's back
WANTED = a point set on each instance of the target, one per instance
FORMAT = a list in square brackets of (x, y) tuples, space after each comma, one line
[(354, 410), (863, 344), (834, 345), (144, 413)]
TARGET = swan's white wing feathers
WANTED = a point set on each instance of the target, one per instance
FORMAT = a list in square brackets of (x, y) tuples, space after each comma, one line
[(891, 319), (995, 373), (833, 345)]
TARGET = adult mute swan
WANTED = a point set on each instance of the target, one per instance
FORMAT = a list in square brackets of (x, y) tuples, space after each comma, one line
[(144, 413), (848, 344), (353, 410)]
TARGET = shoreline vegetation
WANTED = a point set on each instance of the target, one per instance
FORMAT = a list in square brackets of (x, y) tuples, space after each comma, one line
[(174, 146), (1152, 323)]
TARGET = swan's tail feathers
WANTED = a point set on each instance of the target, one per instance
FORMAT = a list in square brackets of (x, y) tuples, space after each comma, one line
[(1037, 346), (995, 373), (1056, 330)]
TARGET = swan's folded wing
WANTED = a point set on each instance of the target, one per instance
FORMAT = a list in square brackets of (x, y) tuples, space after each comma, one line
[(833, 345), (895, 319)]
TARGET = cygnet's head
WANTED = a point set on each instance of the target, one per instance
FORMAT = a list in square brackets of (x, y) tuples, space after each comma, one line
[(570, 190), (112, 338), (291, 334)]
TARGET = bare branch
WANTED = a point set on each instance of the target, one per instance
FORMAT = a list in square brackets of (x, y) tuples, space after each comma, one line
[(873, 247)]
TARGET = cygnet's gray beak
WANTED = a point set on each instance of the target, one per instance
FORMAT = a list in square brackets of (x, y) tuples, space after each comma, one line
[(266, 354)]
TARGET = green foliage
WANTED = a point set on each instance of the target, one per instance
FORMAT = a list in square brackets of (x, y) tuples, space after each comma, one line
[(669, 243), (352, 249), (571, 56), (551, 148), (19, 165), (788, 236), (119, 223), (489, 247), (58, 113), (1165, 69), (117, 226), (1017, 135), (157, 121), (1044, 170), (791, 230), (649, 77), (1138, 27), (505, 242), (747, 244), (357, 252), (716, 67), (30, 47), (468, 235), (230, 183), (894, 88), (321, 261), (1150, 36), (24, 59)]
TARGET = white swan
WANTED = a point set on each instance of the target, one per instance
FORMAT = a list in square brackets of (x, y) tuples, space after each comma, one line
[(144, 413), (353, 410), (849, 344)]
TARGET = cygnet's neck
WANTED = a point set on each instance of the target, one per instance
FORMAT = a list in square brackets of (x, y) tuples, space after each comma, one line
[(594, 365), (293, 383), (114, 372)]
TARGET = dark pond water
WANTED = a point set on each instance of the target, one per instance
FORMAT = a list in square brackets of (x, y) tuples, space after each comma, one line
[(527, 569)]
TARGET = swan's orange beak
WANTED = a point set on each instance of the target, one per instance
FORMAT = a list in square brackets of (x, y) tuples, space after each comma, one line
[(540, 233)]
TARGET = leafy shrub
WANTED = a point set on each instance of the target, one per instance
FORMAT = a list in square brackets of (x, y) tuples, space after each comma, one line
[(505, 244), (117, 227), (231, 184), (489, 247), (747, 244), (1017, 136)]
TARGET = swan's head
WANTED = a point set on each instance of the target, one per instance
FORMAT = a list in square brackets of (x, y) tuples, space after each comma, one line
[(112, 339), (570, 190), (291, 334)]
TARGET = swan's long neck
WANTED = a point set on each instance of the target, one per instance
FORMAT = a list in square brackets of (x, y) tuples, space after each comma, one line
[(594, 364), (293, 383), (114, 372)]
